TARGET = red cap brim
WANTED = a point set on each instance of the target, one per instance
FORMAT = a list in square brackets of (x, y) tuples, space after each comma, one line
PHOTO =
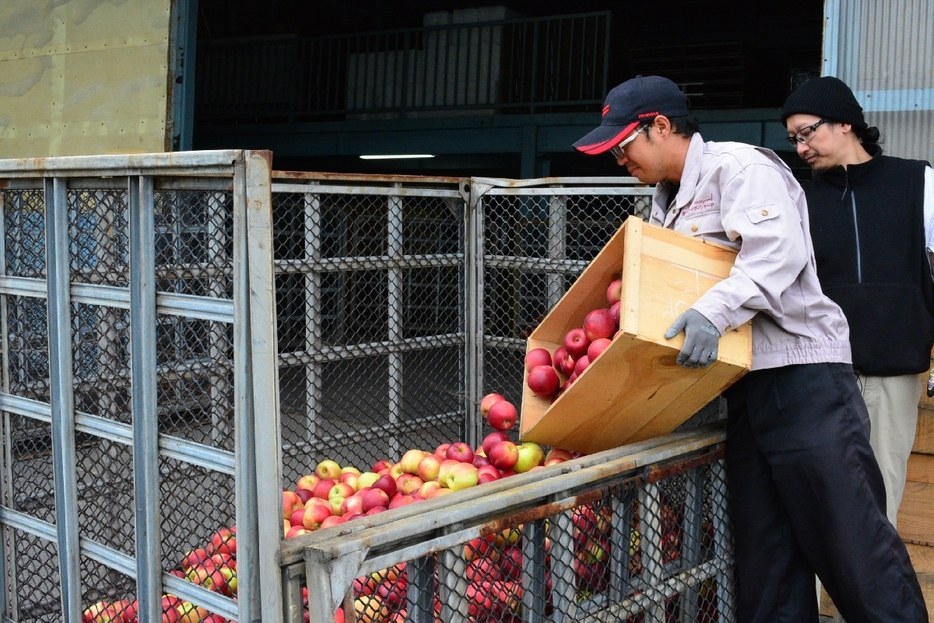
[(603, 139)]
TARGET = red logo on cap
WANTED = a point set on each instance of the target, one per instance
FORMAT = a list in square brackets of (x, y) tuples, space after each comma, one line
[(606, 110), (643, 115)]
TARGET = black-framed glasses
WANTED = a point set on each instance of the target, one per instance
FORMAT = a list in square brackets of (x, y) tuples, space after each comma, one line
[(802, 136), (620, 150)]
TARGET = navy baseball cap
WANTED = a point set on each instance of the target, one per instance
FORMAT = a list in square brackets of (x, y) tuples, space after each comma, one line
[(640, 99)]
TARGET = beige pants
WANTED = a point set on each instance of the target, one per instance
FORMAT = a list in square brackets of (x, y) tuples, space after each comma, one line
[(892, 402)]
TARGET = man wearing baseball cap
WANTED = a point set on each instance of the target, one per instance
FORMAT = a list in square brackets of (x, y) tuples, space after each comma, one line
[(805, 490)]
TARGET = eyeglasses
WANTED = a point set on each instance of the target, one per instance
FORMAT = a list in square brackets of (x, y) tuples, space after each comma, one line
[(620, 150), (802, 136)]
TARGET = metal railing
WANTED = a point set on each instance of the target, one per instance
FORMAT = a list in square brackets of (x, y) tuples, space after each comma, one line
[(639, 533), (531, 65)]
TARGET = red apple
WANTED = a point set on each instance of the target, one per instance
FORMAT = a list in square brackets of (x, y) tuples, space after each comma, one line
[(462, 476), (290, 502), (387, 483), (295, 531), (442, 449), (581, 365), (333, 520), (381, 465), (576, 342), (352, 505), (194, 557), (599, 323), (323, 488), (315, 513), (490, 440), (543, 381), (502, 415), (328, 469), (428, 467), (459, 451), (530, 455), (487, 473), (564, 363), (479, 460), (374, 498), (615, 291), (401, 500), (537, 357), (614, 313), (350, 478), (395, 470), (504, 454), (411, 484), (596, 347), (488, 401), (297, 518), (429, 489), (308, 481), (341, 489), (558, 455), (304, 495)]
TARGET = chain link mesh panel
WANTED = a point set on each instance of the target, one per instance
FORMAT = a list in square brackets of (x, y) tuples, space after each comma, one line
[(194, 393), (371, 323), (652, 548)]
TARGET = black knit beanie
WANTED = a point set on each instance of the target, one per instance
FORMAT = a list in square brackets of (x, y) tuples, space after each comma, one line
[(826, 97)]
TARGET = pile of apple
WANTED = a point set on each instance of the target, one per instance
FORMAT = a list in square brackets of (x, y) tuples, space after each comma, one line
[(550, 374), (213, 566)]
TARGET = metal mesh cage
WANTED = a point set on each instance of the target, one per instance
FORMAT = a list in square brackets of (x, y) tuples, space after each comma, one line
[(34, 593)]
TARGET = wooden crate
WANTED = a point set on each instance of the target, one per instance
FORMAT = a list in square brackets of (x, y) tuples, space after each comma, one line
[(916, 512), (635, 390)]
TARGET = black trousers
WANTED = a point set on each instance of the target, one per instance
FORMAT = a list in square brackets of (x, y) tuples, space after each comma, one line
[(807, 497)]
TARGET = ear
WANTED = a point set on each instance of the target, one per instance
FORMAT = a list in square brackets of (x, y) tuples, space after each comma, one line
[(662, 126)]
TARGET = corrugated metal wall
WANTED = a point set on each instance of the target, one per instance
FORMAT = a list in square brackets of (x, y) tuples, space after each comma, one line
[(885, 52)]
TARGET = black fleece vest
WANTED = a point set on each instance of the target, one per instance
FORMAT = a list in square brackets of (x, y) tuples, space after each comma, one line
[(867, 224)]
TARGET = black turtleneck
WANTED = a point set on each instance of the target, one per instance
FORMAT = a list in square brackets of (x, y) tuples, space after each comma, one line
[(867, 224)]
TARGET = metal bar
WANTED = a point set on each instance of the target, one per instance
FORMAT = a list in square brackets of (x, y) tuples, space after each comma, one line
[(690, 554), (397, 190), (650, 529), (61, 397), (145, 418), (395, 315), (354, 351), (557, 236), (533, 572), (258, 425), (350, 264), (473, 295), (452, 586), (181, 163), (314, 394), (420, 574), (7, 552), (722, 541)]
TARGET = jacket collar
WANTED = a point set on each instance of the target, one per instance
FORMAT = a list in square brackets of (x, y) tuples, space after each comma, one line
[(690, 174), (854, 174)]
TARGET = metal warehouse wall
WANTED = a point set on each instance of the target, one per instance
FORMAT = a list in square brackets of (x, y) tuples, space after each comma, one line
[(885, 52), (83, 76)]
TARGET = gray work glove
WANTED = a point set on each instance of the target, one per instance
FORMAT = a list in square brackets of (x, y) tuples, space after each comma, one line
[(701, 339)]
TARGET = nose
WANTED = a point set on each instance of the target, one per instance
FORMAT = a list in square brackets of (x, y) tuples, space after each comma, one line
[(801, 148), (621, 160)]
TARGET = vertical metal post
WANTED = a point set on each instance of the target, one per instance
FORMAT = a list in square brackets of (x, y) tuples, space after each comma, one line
[(533, 572), (396, 311), (313, 337), (62, 398), (564, 593), (143, 384), (473, 343), (452, 586), (652, 551), (420, 591), (259, 454), (557, 235), (7, 563), (620, 552), (723, 544), (690, 555)]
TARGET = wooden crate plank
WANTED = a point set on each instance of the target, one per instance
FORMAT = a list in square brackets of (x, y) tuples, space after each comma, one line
[(924, 434), (916, 513), (921, 468)]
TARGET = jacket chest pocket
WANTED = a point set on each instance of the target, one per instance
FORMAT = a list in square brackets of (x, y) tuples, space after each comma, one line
[(702, 223)]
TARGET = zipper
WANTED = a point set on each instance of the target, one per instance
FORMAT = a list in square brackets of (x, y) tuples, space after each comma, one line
[(859, 259)]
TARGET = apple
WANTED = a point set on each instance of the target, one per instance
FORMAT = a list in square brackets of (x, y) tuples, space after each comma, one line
[(324, 487), (341, 489), (92, 612), (576, 342), (487, 473), (462, 476), (502, 415), (543, 381), (411, 459), (504, 454), (333, 520), (564, 363), (530, 455), (614, 313), (428, 489), (446, 466), (194, 557), (328, 469), (297, 518), (429, 467), (336, 503), (380, 465), (366, 479), (315, 513), (459, 451), (558, 455), (490, 440), (349, 470), (387, 483), (308, 482), (537, 357), (375, 510), (304, 495), (581, 365), (395, 470), (410, 485), (374, 498), (597, 346), (599, 323), (479, 460), (488, 401), (191, 613), (352, 505), (400, 500), (350, 478), (614, 291), (442, 449), (290, 502)]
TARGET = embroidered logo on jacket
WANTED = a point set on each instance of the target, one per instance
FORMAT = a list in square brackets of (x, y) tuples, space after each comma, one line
[(700, 205)]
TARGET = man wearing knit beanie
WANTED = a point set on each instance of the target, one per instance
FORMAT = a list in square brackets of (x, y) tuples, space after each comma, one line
[(872, 225)]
